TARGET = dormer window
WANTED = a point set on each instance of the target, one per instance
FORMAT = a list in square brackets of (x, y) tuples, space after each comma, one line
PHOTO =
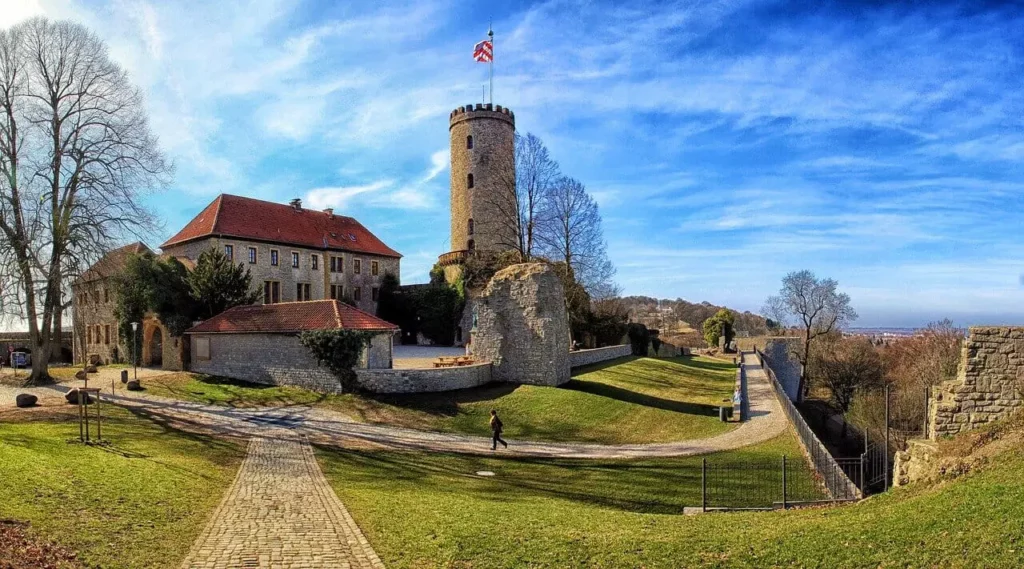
[(469, 142), (469, 180)]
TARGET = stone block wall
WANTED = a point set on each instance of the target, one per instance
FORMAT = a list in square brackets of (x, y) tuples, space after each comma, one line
[(428, 380), (522, 326), (778, 355), (989, 384), (582, 358)]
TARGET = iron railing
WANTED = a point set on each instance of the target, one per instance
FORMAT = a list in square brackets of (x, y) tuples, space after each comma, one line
[(834, 474), (758, 484)]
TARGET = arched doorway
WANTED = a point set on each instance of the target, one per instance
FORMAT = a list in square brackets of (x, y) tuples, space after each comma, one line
[(152, 344)]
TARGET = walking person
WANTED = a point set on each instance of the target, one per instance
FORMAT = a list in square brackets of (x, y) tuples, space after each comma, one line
[(496, 428)]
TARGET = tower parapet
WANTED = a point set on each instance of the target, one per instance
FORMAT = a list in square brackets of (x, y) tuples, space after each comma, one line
[(481, 110)]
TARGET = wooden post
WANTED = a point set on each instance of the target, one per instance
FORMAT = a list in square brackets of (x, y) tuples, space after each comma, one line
[(99, 418), (885, 449), (81, 434)]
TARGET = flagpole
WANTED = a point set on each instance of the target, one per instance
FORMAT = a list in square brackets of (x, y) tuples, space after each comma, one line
[(490, 35)]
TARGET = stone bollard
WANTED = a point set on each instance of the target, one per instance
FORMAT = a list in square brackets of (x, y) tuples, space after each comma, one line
[(124, 376)]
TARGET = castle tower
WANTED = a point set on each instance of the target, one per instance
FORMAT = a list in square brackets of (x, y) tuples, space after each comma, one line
[(482, 179)]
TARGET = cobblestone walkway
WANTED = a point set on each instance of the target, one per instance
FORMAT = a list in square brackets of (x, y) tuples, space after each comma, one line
[(281, 513)]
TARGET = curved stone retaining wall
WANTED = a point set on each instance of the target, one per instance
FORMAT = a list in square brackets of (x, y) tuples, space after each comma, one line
[(582, 358), (426, 380)]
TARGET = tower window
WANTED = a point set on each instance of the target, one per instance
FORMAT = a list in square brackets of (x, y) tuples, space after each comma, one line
[(469, 180), (469, 142), (470, 227), (471, 245)]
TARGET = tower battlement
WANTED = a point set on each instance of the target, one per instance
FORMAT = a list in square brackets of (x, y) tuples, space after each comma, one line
[(481, 110)]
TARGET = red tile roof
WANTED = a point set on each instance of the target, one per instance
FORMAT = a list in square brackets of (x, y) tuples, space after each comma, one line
[(291, 317), (112, 262), (258, 220)]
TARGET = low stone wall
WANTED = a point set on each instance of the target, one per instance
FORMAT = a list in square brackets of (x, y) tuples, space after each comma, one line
[(778, 356), (582, 358), (424, 380), (270, 359), (989, 384)]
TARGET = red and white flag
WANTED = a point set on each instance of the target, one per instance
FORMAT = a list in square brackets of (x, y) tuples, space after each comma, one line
[(484, 51)]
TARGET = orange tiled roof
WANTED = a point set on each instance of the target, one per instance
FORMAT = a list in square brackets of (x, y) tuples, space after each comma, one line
[(258, 220), (112, 262), (291, 317)]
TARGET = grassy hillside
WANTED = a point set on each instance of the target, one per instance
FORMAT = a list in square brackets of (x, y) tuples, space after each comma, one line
[(632, 400), (628, 514)]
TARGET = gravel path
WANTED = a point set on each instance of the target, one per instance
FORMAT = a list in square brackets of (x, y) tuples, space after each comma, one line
[(325, 427)]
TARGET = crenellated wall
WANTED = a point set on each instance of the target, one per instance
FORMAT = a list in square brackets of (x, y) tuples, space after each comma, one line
[(989, 384)]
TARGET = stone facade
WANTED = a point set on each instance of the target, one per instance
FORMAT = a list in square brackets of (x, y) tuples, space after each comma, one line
[(94, 323), (478, 212), (582, 358), (320, 279), (424, 380), (989, 384), (273, 359), (522, 327)]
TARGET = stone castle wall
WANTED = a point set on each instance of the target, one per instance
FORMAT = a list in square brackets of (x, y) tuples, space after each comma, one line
[(427, 380), (522, 326), (989, 384), (492, 197), (582, 358)]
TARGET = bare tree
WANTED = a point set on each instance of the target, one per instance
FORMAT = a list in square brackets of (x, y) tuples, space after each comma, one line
[(528, 174), (76, 152), (571, 233), (816, 305)]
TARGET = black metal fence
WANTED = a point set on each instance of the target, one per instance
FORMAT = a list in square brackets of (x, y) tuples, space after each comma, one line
[(836, 475), (758, 484)]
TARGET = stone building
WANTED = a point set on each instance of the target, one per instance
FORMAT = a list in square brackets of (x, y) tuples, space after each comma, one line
[(261, 344), (293, 253)]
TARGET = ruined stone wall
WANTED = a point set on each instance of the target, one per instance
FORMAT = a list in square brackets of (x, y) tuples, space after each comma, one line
[(582, 358), (428, 380), (989, 384), (522, 326)]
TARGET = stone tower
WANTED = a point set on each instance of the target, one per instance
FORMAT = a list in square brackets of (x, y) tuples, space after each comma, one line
[(482, 178)]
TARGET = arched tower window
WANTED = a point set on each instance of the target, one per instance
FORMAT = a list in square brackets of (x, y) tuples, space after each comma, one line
[(469, 180), (469, 142), (470, 245), (470, 227)]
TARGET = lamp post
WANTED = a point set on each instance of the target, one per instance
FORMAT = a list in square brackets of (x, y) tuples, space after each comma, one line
[(135, 351)]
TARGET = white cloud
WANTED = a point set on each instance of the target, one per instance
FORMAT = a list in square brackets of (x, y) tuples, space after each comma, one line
[(15, 11)]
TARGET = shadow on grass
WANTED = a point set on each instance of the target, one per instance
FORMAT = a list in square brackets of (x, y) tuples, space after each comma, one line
[(627, 396), (447, 403)]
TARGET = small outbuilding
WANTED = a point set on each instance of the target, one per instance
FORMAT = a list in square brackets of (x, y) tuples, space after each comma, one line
[(260, 343)]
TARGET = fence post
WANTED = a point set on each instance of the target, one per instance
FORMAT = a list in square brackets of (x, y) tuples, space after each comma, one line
[(783, 482), (885, 449), (703, 485), (863, 480), (927, 407)]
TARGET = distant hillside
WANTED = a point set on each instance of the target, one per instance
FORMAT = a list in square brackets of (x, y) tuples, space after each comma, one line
[(682, 317)]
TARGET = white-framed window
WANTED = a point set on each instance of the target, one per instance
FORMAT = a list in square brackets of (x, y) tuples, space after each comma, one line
[(314, 262), (302, 292), (252, 255), (357, 294), (374, 268), (273, 257), (357, 266), (295, 259), (229, 252), (271, 292)]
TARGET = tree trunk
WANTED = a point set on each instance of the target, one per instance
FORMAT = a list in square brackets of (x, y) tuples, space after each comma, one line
[(804, 387)]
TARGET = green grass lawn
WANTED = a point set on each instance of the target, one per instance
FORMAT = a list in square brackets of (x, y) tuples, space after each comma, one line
[(138, 502), (627, 514), (633, 400)]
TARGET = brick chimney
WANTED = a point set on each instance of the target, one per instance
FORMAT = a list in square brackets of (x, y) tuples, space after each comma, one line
[(329, 211), (296, 204)]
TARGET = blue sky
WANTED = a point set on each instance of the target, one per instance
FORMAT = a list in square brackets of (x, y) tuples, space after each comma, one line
[(727, 143)]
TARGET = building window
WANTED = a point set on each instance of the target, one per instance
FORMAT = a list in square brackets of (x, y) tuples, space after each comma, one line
[(469, 142), (203, 349), (314, 261), (88, 334), (374, 268), (271, 292), (337, 291), (357, 266), (95, 297), (471, 245), (106, 334), (295, 260), (229, 252), (337, 264), (469, 181), (375, 294), (252, 261), (470, 224), (357, 294), (302, 292), (273, 257)]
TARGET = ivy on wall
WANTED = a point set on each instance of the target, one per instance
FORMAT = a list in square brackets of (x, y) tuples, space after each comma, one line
[(339, 351)]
